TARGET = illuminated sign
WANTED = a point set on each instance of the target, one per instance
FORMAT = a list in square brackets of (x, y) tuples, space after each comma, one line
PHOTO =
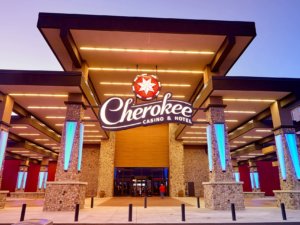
[(146, 87), (119, 114)]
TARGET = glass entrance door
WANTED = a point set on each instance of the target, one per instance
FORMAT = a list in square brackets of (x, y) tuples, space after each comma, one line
[(139, 181)]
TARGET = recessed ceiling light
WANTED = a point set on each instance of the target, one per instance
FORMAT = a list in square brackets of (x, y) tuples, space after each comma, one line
[(198, 127), (41, 139), (247, 100), (160, 51), (63, 117), (239, 142), (129, 84), (263, 130), (146, 70), (92, 139), (46, 107), (50, 144), (231, 121), (19, 151), (91, 131), (28, 134), (196, 137), (189, 132), (92, 136), (239, 111), (39, 95), (19, 127), (252, 137)]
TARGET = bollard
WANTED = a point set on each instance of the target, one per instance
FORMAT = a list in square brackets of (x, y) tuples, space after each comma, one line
[(283, 211), (76, 213), (23, 212), (130, 213), (233, 212), (145, 202), (92, 202), (198, 202), (182, 212)]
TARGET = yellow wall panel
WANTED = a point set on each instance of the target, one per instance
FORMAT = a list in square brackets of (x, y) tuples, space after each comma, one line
[(143, 147)]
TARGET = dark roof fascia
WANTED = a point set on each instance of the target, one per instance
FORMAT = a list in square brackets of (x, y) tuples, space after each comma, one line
[(143, 24)]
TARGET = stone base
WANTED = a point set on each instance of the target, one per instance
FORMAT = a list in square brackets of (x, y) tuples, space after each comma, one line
[(254, 194), (290, 198), (220, 195), (27, 195), (64, 195), (3, 195)]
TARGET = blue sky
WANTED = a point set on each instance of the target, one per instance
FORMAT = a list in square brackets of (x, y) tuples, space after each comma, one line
[(273, 53)]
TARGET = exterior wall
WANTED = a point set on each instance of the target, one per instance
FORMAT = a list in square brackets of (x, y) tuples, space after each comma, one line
[(106, 167), (143, 147), (196, 167), (90, 168), (176, 161)]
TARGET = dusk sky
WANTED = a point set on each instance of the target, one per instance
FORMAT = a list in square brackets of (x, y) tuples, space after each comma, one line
[(274, 52)]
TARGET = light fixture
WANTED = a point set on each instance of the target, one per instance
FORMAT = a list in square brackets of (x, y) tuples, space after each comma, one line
[(263, 130), (129, 84), (233, 146), (19, 127), (92, 139), (50, 144), (118, 94), (28, 134), (239, 111), (252, 137), (19, 151), (188, 141), (198, 127), (135, 50), (91, 131), (196, 137), (246, 100), (92, 136), (63, 117), (231, 121), (209, 147), (189, 132), (46, 107), (41, 139), (89, 125), (39, 95), (145, 70), (239, 142)]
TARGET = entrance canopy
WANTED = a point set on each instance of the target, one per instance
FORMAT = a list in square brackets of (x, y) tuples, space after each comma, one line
[(101, 55)]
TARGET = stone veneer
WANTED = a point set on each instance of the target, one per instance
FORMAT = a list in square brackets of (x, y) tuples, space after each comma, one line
[(221, 190), (3, 195), (106, 168), (66, 191), (176, 163), (64, 195), (220, 195), (90, 168), (290, 198), (290, 188), (196, 167)]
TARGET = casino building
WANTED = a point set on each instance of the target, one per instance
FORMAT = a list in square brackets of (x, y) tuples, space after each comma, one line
[(146, 101)]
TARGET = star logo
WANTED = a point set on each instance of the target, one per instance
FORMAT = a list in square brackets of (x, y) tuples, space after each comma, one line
[(146, 87)]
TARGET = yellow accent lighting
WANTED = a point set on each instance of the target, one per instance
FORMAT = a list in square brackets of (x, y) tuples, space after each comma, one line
[(129, 84), (46, 107), (134, 50), (238, 111), (39, 95), (145, 70), (246, 100)]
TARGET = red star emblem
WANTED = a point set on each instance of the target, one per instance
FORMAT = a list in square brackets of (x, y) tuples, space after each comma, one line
[(146, 87)]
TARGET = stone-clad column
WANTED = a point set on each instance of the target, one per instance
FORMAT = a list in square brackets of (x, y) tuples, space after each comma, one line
[(288, 155), (176, 164), (66, 191), (22, 176), (43, 175), (221, 190), (107, 166), (6, 107)]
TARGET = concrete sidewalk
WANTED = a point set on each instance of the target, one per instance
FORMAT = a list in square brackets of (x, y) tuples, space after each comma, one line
[(150, 215)]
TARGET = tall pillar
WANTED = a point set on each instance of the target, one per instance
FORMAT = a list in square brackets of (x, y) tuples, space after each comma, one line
[(22, 176), (176, 164), (66, 191), (43, 175), (254, 177), (107, 166), (221, 190), (288, 154), (6, 107)]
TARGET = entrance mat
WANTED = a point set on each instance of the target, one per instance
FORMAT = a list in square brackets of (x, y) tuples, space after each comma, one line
[(139, 201)]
